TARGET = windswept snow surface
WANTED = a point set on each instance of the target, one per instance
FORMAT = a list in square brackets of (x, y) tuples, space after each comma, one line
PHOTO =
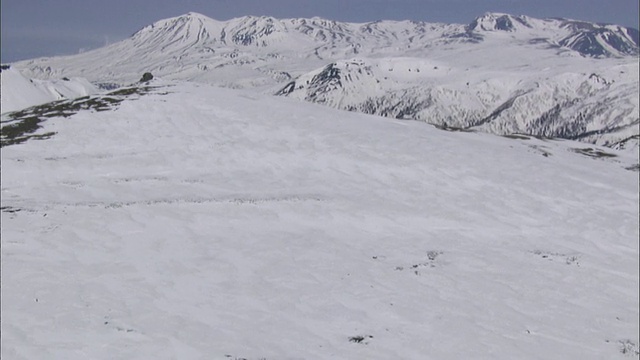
[(206, 223)]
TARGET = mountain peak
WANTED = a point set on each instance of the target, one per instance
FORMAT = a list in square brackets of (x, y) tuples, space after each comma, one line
[(188, 18), (193, 14), (180, 32), (499, 22)]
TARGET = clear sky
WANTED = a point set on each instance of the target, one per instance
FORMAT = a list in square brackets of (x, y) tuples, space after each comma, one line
[(34, 28)]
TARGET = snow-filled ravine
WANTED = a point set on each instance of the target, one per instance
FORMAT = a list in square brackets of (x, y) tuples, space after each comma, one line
[(202, 223)]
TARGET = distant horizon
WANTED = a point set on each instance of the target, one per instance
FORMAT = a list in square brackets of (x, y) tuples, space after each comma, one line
[(31, 30), (372, 21)]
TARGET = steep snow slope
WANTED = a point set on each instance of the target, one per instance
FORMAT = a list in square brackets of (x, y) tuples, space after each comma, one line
[(196, 222), (18, 92)]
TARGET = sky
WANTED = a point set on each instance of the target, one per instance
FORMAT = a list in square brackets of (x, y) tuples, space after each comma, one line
[(36, 28)]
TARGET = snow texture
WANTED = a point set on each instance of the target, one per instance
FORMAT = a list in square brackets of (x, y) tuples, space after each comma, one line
[(196, 222)]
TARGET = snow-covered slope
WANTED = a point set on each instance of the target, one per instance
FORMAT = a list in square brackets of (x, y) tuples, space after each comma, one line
[(514, 75), (586, 38), (501, 73), (584, 99), (242, 52), (199, 222), (18, 92)]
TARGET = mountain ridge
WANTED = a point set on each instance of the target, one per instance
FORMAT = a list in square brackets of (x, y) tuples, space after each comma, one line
[(446, 74), (195, 39)]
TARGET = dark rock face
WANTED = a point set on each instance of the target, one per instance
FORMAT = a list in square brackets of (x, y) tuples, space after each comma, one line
[(146, 77), (594, 41), (324, 82), (504, 23)]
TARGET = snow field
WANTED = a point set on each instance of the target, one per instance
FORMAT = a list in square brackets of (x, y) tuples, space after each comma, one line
[(211, 223)]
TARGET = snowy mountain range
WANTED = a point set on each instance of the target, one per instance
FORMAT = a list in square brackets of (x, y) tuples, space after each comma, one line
[(501, 73)]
